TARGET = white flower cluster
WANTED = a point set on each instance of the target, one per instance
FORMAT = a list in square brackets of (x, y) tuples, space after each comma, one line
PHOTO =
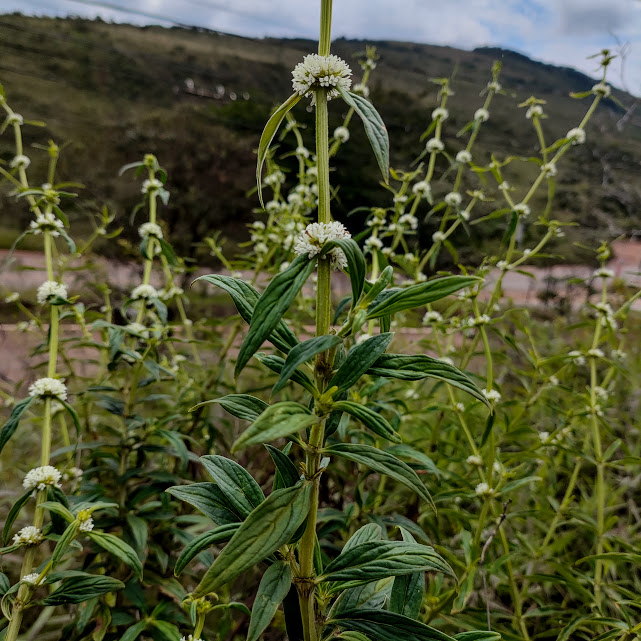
[(341, 133), (46, 222), (50, 289), (150, 229), (72, 474), (149, 185), (491, 395), (482, 114), (464, 157), (474, 459), (275, 178), (576, 357), (144, 292), (86, 525), (361, 89), (137, 329), (15, 119), (534, 110), (602, 89), (595, 353), (40, 477), (409, 220), (440, 114), (483, 490), (433, 144), (432, 317), (48, 387), (576, 136), (31, 579), (29, 535), (422, 189), (607, 315), (475, 321), (493, 86), (189, 637), (603, 272), (438, 237), (321, 72), (521, 209), (12, 297), (548, 169), (311, 240), (373, 243), (453, 199), (20, 161)]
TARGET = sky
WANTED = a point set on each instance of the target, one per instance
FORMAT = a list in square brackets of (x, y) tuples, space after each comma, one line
[(562, 32)]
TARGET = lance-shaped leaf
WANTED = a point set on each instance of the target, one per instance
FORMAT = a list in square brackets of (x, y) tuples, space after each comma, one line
[(271, 306), (268, 527), (267, 136), (221, 534), (276, 364), (82, 588), (9, 428), (419, 366), (244, 406), (273, 588), (303, 352), (374, 128), (238, 486), (383, 463), (209, 499), (408, 590), (286, 473), (280, 419), (380, 625), (364, 534), (355, 263), (245, 298), (478, 635), (13, 515), (368, 595), (371, 419), (395, 300), (374, 560), (358, 361), (118, 548)]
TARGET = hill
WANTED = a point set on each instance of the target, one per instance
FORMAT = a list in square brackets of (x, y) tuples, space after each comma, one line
[(199, 99)]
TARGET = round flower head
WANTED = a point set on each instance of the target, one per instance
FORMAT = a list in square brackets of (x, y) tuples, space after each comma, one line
[(464, 157), (453, 199), (576, 136), (474, 459), (491, 395), (361, 89), (493, 86), (434, 144), (549, 169), (408, 219), (46, 222), (12, 297), (149, 185), (144, 292), (31, 579), (40, 477), (189, 637), (150, 229), (15, 119), (440, 114), (438, 236), (341, 133), (20, 161), (321, 72), (48, 387), (311, 240), (86, 524), (483, 490), (432, 317), (602, 89), (603, 272), (481, 114), (50, 289), (422, 188), (30, 535), (534, 110), (521, 209), (275, 178), (303, 152)]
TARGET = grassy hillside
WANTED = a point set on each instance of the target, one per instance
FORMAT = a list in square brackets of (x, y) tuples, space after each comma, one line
[(115, 92)]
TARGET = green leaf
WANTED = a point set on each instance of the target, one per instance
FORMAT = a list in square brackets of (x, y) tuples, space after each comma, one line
[(82, 588), (303, 352), (364, 534), (374, 128), (479, 635), (369, 595), (59, 509), (276, 364), (407, 452), (267, 136), (245, 298), (118, 548), (273, 588), (380, 625), (209, 499), (420, 366), (244, 406), (134, 631), (287, 471), (221, 534), (9, 428), (374, 560), (64, 542), (371, 419), (280, 419), (395, 300), (355, 263), (268, 527), (383, 463), (408, 590), (236, 484), (13, 515), (271, 306), (359, 359)]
